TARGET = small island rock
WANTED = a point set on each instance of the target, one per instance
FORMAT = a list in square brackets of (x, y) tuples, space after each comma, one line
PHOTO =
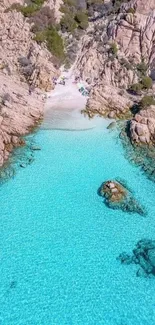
[(118, 197)]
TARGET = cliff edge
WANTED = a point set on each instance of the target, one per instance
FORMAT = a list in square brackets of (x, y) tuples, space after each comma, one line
[(26, 70), (118, 61)]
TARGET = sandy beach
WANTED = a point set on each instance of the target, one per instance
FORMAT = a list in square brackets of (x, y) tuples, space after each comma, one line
[(63, 107)]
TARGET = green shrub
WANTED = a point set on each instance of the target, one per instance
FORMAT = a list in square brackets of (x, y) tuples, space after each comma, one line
[(29, 10), (40, 37), (131, 11), (94, 2), (113, 48), (146, 82), (53, 40), (147, 101), (136, 88), (81, 18), (72, 18), (65, 10), (38, 3), (125, 63), (70, 3), (68, 23), (142, 68), (42, 19), (55, 43)]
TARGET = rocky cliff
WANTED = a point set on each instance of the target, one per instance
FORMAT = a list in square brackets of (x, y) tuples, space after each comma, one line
[(118, 51), (26, 70), (142, 126)]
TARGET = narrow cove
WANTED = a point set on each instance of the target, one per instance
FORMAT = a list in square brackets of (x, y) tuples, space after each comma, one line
[(59, 241)]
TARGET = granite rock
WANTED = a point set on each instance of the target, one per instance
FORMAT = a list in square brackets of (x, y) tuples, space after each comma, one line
[(117, 196)]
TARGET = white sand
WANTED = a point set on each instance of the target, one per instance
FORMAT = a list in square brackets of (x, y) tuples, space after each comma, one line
[(63, 108)]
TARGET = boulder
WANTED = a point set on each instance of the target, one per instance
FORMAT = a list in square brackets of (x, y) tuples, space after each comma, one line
[(105, 100), (142, 126), (117, 196), (112, 125)]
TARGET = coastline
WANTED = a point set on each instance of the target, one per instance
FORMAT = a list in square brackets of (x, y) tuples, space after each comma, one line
[(21, 112)]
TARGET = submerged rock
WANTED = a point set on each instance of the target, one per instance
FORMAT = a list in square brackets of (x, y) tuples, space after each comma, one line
[(117, 196), (23, 165), (112, 125), (143, 156), (13, 284), (36, 148), (143, 255)]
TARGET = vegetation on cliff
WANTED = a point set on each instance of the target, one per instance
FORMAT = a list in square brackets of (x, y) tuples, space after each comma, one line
[(73, 17), (147, 101), (144, 84), (44, 26)]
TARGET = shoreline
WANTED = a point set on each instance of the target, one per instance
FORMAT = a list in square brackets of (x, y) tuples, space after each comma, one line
[(21, 113), (64, 105)]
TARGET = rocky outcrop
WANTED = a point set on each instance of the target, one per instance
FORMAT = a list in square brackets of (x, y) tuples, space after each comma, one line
[(142, 126), (109, 102), (117, 196), (20, 56), (143, 255), (55, 6), (140, 154), (26, 70), (118, 49), (19, 113)]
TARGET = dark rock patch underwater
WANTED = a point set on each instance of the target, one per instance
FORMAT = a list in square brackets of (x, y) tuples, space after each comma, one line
[(143, 255), (20, 157), (140, 155)]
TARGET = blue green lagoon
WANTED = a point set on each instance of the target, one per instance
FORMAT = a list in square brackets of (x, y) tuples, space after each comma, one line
[(59, 241)]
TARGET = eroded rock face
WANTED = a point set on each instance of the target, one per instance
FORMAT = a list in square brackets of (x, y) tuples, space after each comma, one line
[(16, 45), (18, 115), (109, 102), (142, 155), (142, 126), (114, 46), (23, 63), (143, 255), (118, 197)]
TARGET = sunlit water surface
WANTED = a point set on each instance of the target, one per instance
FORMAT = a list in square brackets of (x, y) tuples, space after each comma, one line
[(59, 242)]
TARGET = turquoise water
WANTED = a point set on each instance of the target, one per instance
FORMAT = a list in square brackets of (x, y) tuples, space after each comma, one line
[(59, 242)]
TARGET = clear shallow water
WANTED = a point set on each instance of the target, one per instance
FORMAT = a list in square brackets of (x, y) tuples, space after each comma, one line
[(59, 242)]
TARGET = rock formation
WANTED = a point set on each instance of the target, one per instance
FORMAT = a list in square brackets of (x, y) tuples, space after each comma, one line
[(23, 64), (20, 56), (142, 126), (118, 197), (109, 102), (143, 255), (114, 45), (116, 52)]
